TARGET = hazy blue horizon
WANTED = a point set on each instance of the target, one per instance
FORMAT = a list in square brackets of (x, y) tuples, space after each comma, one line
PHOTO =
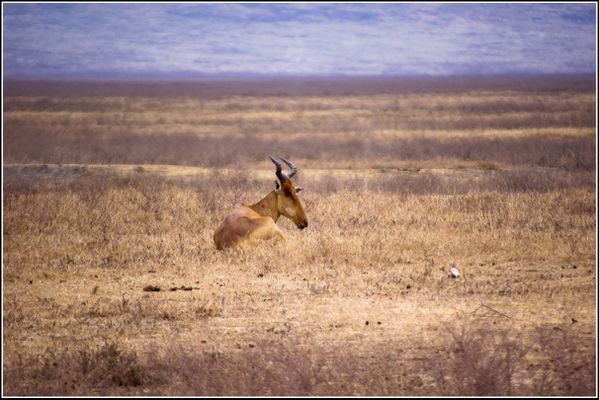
[(241, 40), (247, 76)]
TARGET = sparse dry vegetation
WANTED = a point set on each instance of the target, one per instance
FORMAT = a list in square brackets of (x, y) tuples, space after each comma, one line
[(112, 285)]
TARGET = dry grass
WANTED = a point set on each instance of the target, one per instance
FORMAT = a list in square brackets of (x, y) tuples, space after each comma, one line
[(360, 303), (544, 123), (571, 153)]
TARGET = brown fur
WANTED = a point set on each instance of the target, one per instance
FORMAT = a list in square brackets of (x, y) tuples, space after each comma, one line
[(258, 221)]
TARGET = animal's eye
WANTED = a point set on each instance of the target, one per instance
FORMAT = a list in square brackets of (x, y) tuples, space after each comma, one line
[(298, 189)]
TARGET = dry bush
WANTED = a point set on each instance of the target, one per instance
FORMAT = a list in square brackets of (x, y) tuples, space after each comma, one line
[(263, 368), (484, 359), (283, 367), (472, 358), (481, 362), (103, 371), (567, 365), (260, 369)]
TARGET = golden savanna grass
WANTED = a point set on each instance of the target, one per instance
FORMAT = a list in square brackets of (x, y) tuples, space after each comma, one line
[(112, 284)]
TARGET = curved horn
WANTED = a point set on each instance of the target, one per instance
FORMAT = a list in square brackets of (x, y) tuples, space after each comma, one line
[(282, 177), (292, 166)]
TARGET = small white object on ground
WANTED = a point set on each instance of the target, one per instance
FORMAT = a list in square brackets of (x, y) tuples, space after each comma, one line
[(453, 272)]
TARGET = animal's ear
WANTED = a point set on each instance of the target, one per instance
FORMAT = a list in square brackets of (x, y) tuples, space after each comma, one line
[(277, 187), (298, 189)]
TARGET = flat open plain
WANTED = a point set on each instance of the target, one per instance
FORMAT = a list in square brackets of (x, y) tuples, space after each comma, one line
[(112, 191)]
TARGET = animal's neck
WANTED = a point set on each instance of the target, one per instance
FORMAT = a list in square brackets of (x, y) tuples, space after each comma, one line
[(267, 206)]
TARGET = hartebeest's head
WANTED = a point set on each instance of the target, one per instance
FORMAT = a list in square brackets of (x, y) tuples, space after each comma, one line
[(288, 202)]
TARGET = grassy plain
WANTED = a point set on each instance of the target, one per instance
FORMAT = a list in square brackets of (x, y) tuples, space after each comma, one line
[(112, 284)]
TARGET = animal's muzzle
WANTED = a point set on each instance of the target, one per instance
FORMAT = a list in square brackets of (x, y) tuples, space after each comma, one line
[(303, 224)]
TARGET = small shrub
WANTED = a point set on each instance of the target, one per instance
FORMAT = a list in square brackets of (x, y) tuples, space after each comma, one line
[(481, 362), (101, 370)]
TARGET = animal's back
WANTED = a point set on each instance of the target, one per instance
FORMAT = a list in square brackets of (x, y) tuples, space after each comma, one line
[(237, 226)]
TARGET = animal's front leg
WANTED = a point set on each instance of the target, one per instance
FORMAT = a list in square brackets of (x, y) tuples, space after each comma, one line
[(278, 234)]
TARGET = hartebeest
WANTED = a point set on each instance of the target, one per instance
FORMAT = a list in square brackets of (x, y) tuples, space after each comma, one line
[(258, 221)]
